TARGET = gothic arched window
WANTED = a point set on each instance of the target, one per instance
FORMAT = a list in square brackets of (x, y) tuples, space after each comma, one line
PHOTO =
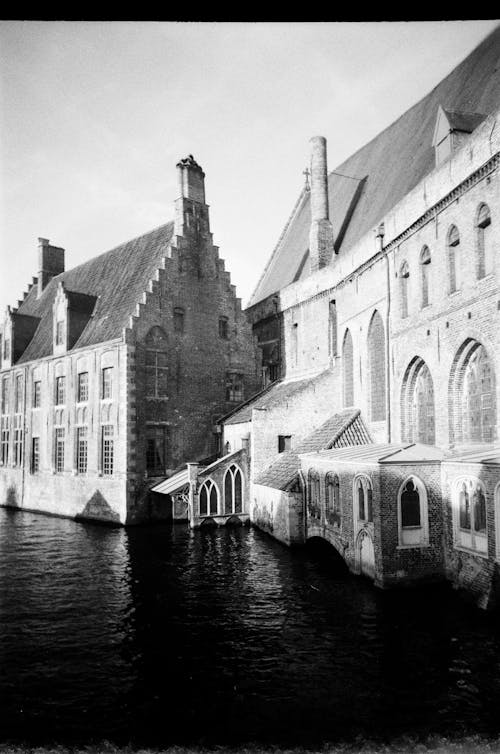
[(376, 368), (453, 245), (425, 260), (156, 363), (484, 251), (404, 274), (363, 499), (417, 404), (472, 386), (208, 499), (233, 490), (412, 513), (333, 512), (348, 369), (470, 515), (314, 504)]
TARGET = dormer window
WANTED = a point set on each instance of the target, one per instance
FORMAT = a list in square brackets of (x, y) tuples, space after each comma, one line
[(59, 333), (452, 129)]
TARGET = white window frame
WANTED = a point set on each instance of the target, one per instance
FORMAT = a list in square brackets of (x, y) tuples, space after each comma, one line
[(414, 536), (208, 484), (366, 483), (232, 472), (475, 543)]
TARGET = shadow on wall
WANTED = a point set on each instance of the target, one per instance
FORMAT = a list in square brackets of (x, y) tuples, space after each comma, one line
[(11, 497), (99, 509)]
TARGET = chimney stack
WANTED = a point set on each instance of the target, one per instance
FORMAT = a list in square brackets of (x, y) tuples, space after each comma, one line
[(191, 211), (50, 263), (321, 232)]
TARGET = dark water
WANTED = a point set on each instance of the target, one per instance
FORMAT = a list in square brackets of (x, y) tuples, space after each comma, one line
[(158, 636)]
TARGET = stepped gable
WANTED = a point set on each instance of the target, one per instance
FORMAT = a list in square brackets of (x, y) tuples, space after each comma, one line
[(273, 395), (393, 163), (339, 431), (117, 279)]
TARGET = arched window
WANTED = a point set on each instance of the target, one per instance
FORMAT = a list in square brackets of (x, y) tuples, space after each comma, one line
[(470, 515), (404, 274), (333, 511), (314, 502), (233, 491), (156, 363), (363, 499), (178, 319), (348, 369), (472, 389), (417, 404), (376, 367), (453, 245), (208, 499), (412, 514), (332, 327), (425, 260), (484, 250)]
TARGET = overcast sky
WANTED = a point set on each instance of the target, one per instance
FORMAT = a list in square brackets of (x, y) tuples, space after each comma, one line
[(94, 117)]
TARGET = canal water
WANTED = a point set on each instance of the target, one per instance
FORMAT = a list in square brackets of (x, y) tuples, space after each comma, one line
[(158, 636)]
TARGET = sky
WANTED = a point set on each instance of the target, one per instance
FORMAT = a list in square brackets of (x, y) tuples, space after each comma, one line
[(94, 117)]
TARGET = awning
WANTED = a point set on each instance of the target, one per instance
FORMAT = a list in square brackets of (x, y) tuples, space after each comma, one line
[(172, 484)]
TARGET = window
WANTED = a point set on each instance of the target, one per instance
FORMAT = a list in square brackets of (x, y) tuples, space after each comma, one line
[(60, 390), (59, 449), (107, 383), (472, 392), (37, 394), (178, 319), (332, 327), (470, 515), (412, 514), (5, 440), (233, 491), (314, 501), (19, 394), (284, 443), (348, 369), (5, 395), (81, 450), (6, 349), (107, 449), (404, 274), (425, 260), (453, 243), (35, 455), (484, 241), (18, 442), (156, 363), (363, 499), (223, 328), (333, 512), (83, 387), (59, 333), (417, 404), (234, 387), (208, 499), (155, 449), (295, 344), (376, 368)]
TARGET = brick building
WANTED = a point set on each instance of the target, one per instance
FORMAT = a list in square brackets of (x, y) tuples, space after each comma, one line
[(114, 372), (378, 319)]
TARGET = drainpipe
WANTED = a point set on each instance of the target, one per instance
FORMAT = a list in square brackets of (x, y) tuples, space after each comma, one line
[(380, 243)]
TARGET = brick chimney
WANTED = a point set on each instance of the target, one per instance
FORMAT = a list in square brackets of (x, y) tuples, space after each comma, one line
[(191, 211), (321, 232), (50, 263)]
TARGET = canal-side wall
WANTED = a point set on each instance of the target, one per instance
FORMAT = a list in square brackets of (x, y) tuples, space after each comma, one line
[(279, 513)]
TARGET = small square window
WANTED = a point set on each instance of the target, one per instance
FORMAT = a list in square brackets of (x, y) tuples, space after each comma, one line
[(284, 443)]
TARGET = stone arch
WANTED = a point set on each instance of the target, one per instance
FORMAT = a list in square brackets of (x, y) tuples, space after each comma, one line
[(417, 404), (472, 395), (348, 369), (233, 490), (376, 368)]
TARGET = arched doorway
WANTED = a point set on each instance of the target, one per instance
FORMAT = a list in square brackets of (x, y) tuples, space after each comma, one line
[(365, 555)]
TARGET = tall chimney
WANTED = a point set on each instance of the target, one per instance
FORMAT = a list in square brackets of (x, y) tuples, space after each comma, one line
[(191, 202), (321, 233), (50, 263)]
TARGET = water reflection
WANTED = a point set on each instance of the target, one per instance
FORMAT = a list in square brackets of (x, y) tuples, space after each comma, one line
[(162, 635)]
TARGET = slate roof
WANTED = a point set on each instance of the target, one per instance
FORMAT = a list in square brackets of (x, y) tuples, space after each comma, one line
[(274, 395), (385, 453), (394, 162), (116, 278), (485, 455), (346, 427)]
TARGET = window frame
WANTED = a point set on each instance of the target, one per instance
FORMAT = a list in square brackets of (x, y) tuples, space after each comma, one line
[(82, 387), (413, 536), (476, 542)]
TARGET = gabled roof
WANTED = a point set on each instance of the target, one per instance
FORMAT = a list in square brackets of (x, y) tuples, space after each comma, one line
[(116, 279), (344, 428), (276, 393), (394, 163)]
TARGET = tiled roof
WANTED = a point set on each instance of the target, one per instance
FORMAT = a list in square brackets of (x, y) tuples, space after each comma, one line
[(274, 395), (384, 453), (116, 278), (394, 162), (339, 430), (485, 455)]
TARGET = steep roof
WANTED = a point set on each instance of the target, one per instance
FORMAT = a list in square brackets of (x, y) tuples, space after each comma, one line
[(393, 163), (339, 431), (116, 279)]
